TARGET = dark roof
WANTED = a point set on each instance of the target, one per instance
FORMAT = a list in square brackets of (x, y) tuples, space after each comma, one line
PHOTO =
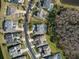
[(10, 10), (14, 1)]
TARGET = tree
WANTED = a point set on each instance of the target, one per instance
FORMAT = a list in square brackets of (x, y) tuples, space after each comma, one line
[(52, 23)]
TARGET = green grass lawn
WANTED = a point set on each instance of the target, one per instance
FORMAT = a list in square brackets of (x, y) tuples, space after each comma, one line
[(3, 47), (1, 38), (35, 21), (5, 51), (25, 2), (1, 23), (27, 55), (53, 47), (2, 11)]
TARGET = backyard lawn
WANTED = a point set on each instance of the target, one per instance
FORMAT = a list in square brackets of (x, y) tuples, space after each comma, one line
[(53, 47), (3, 47), (27, 55), (3, 8), (1, 21), (37, 20)]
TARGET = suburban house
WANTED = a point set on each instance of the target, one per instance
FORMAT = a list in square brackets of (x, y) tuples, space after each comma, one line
[(21, 57), (44, 4), (10, 10), (41, 8), (40, 14), (16, 1), (11, 26), (45, 51), (15, 51), (12, 38), (57, 56), (40, 40), (39, 29), (42, 45)]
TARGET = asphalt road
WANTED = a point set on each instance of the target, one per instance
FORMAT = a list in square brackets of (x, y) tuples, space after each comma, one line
[(26, 28)]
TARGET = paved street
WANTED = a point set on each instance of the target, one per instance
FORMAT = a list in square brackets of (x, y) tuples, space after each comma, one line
[(26, 28)]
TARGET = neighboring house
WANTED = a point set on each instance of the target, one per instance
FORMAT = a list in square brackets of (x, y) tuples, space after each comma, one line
[(45, 51), (42, 14), (10, 25), (21, 57), (51, 7), (15, 51), (10, 10), (12, 38), (42, 45), (40, 40), (40, 8), (16, 1), (45, 3), (39, 29), (57, 56)]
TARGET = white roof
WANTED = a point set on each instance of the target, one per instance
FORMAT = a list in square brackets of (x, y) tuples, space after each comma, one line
[(10, 25), (20, 1), (41, 29)]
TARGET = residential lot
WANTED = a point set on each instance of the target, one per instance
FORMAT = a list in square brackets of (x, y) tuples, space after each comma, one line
[(12, 12)]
